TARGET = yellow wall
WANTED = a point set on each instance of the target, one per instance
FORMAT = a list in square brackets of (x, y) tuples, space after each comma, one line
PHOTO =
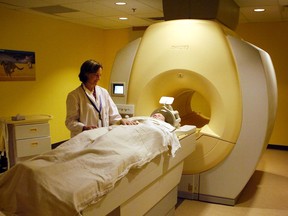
[(61, 47), (272, 37)]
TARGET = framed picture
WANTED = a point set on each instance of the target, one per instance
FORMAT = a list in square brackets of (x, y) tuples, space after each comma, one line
[(17, 65)]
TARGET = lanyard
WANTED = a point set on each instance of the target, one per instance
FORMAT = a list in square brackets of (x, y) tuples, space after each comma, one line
[(93, 104)]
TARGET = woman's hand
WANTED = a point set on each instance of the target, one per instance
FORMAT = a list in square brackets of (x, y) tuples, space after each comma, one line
[(128, 122), (89, 127)]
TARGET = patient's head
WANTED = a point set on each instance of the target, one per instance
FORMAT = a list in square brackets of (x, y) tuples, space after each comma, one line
[(158, 116)]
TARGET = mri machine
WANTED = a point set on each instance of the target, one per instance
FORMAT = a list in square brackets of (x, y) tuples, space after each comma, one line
[(221, 83)]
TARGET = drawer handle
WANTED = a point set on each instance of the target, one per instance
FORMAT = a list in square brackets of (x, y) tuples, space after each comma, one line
[(34, 144), (33, 129)]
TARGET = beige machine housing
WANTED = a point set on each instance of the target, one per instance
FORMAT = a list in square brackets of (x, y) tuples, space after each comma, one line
[(185, 58)]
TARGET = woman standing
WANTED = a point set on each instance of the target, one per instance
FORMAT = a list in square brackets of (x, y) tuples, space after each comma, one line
[(90, 106)]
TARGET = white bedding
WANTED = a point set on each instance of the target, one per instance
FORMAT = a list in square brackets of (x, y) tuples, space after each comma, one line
[(82, 170)]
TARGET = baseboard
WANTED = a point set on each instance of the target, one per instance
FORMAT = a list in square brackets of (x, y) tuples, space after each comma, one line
[(278, 147)]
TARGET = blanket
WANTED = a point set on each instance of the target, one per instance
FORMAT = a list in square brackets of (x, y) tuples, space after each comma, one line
[(78, 173)]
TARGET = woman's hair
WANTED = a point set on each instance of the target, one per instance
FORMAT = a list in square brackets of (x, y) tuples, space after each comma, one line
[(89, 66)]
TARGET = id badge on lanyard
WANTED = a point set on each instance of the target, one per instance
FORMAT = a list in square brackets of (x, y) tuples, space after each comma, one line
[(98, 110)]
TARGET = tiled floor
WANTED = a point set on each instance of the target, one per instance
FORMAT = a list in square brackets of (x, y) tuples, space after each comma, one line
[(266, 193)]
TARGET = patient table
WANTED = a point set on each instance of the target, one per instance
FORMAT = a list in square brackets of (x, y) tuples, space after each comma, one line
[(151, 190), (107, 170)]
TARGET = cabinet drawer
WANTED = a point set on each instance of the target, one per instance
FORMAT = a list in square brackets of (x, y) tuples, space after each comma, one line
[(28, 147), (31, 130)]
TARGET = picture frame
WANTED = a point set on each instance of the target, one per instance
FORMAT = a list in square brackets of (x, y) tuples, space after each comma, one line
[(17, 65)]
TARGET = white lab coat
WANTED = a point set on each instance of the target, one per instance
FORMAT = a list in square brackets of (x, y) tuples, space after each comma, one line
[(80, 112)]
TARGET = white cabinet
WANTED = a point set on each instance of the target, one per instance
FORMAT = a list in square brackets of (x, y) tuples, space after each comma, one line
[(27, 138), (32, 139)]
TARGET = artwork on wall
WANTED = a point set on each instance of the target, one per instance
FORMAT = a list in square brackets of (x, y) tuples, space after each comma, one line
[(17, 65)]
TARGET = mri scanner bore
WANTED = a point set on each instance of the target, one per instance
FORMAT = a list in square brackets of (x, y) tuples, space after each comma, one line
[(220, 83)]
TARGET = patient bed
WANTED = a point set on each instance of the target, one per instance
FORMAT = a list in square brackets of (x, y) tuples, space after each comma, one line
[(151, 190), (148, 174)]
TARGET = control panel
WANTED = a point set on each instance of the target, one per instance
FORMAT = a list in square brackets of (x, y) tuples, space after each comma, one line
[(126, 109)]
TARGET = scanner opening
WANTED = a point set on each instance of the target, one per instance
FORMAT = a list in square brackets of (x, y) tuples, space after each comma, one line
[(193, 108), (186, 87)]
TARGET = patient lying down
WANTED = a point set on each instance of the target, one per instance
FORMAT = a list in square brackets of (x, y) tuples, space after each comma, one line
[(82, 170)]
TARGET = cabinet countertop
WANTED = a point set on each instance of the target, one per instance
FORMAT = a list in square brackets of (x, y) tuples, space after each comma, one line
[(28, 119)]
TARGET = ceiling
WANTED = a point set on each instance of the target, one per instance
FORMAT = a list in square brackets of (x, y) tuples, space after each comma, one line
[(105, 14)]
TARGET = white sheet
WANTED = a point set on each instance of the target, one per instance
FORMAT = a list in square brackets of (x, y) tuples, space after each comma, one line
[(82, 170)]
